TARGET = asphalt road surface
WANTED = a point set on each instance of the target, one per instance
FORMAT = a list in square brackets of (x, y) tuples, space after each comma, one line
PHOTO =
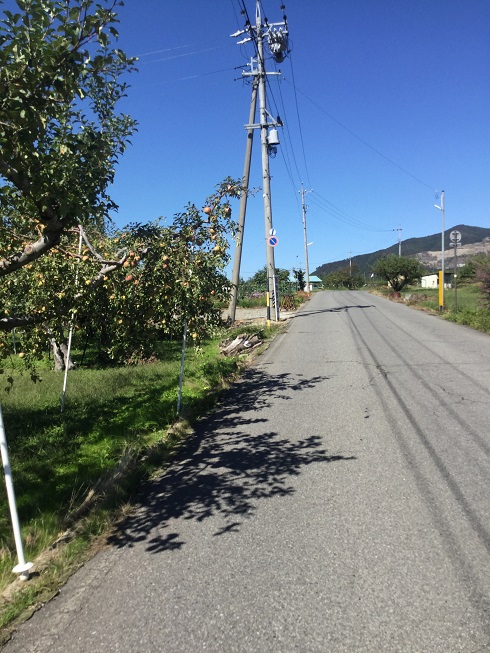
[(338, 500)]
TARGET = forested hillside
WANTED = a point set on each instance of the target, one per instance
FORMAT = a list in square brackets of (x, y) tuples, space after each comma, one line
[(410, 247)]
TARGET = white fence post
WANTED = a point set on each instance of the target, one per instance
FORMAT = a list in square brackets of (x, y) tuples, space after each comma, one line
[(23, 567)]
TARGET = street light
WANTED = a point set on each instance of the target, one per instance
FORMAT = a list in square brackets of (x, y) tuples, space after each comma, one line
[(441, 281)]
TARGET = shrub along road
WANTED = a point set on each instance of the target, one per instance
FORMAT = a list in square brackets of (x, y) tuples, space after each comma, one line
[(337, 500)]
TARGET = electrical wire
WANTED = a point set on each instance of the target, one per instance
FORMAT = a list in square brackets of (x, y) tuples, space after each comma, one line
[(177, 47), (185, 54), (181, 79), (299, 122), (285, 155), (287, 133), (359, 138), (236, 15), (340, 215), (320, 202)]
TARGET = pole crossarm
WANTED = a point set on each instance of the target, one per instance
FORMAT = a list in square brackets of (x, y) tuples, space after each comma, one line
[(277, 122), (255, 73)]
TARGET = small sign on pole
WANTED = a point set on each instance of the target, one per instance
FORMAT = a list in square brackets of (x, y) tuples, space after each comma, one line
[(273, 240)]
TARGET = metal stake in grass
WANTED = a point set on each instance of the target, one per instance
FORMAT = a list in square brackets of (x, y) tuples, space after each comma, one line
[(23, 567), (182, 361)]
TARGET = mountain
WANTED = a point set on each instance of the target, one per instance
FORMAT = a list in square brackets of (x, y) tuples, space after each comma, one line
[(474, 240)]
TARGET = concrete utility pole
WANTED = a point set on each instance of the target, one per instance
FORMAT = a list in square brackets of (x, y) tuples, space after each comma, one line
[(399, 230), (304, 207), (441, 276), (277, 37), (235, 277), (266, 178)]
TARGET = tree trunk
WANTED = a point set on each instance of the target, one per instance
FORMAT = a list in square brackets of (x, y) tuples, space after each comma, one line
[(60, 356)]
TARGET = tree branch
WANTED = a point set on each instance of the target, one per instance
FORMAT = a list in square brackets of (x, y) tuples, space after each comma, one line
[(9, 323), (30, 253)]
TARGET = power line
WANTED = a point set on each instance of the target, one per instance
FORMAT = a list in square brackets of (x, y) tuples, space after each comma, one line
[(325, 205), (359, 138), (299, 121), (287, 131), (177, 47), (185, 54), (181, 79)]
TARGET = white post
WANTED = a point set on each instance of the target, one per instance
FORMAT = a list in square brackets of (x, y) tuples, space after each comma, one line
[(441, 285), (182, 362), (443, 247), (70, 335), (23, 567)]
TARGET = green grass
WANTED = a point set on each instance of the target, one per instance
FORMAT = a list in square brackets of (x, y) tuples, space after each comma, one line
[(57, 458), (468, 297), (470, 311), (252, 302), (258, 302)]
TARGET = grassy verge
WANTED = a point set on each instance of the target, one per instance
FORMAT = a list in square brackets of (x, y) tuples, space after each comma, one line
[(260, 299), (117, 427), (470, 311)]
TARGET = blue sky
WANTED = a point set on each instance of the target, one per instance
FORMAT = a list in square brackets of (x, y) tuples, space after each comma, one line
[(384, 103)]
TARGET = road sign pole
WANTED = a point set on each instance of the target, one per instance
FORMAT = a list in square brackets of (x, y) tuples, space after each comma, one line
[(455, 276), (455, 238)]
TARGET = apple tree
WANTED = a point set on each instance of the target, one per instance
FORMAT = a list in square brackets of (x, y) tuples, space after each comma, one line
[(60, 132), (125, 290), (171, 275)]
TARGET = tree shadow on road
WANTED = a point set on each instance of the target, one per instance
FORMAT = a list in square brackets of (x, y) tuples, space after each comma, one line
[(336, 309), (229, 464)]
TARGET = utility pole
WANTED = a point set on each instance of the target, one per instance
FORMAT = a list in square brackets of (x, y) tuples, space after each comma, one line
[(441, 276), (266, 178), (277, 37), (235, 277), (399, 240), (304, 208)]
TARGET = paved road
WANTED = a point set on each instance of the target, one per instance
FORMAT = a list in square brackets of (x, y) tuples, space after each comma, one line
[(337, 501)]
